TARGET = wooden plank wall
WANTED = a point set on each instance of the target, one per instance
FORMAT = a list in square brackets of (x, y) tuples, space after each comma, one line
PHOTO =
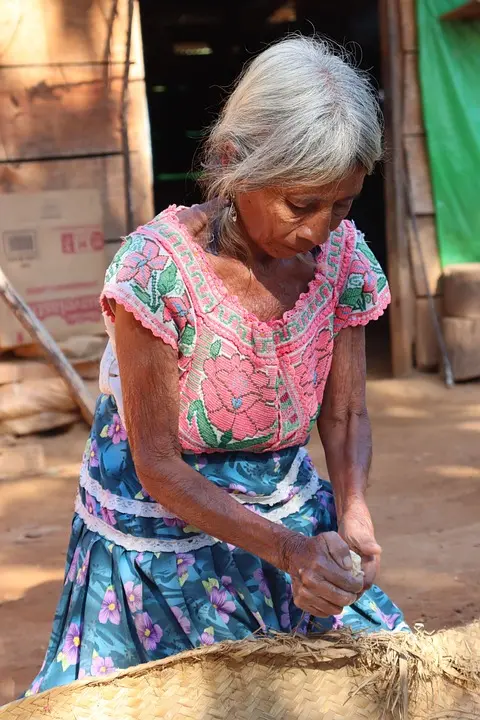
[(426, 353), (61, 69)]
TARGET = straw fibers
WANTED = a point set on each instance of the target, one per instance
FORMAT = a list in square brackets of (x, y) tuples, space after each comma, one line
[(320, 677)]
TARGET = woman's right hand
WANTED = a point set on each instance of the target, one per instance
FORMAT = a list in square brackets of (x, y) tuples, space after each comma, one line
[(321, 572)]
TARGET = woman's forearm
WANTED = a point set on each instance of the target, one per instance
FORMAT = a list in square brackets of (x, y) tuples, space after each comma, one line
[(347, 442), (197, 501)]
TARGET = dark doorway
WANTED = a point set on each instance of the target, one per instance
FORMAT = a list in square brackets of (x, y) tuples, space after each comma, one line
[(194, 50)]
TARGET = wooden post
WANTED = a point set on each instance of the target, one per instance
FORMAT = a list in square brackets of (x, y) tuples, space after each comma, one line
[(40, 334), (401, 327)]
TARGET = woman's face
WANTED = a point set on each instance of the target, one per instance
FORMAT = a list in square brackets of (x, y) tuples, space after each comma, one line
[(283, 222)]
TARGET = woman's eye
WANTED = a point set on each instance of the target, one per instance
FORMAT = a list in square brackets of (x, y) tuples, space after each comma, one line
[(299, 207)]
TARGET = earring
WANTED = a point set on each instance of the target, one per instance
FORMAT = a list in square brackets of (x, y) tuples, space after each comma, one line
[(232, 212)]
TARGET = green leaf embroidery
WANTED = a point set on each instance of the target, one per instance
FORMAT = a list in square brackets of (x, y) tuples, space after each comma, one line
[(188, 335), (183, 579), (167, 279), (209, 631), (225, 439), (205, 429), (246, 444), (381, 282), (143, 296), (269, 602), (104, 432), (350, 296), (215, 349)]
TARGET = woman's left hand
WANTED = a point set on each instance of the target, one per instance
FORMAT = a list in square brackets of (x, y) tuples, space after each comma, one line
[(356, 528)]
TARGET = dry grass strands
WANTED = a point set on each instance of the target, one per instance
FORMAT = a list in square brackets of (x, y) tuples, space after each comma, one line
[(327, 677)]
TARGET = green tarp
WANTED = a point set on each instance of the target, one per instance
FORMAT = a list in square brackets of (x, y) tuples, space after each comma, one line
[(450, 82)]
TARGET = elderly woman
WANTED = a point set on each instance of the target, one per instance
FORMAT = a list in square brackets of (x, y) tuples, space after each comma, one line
[(234, 327)]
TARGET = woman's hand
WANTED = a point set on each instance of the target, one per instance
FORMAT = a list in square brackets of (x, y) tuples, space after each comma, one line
[(356, 528), (321, 572)]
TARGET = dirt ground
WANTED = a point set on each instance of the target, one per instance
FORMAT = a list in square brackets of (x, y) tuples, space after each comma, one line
[(425, 498)]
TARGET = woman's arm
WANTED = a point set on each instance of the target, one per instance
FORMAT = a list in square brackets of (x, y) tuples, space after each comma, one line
[(150, 389), (345, 432)]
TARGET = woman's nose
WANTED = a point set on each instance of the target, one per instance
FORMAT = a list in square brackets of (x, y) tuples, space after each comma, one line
[(317, 231)]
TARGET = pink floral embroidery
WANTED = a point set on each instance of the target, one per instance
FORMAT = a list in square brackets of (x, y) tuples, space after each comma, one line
[(139, 266), (238, 397), (178, 310), (315, 363), (360, 266)]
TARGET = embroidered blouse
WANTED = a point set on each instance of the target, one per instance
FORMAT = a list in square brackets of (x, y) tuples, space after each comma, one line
[(245, 384)]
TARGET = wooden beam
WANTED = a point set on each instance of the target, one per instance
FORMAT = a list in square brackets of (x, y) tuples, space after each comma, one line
[(419, 173), (399, 271)]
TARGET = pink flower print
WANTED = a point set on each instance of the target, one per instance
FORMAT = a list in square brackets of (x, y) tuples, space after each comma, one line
[(82, 674), (389, 620), (82, 570), (313, 520), (116, 431), (236, 487), (184, 561), (285, 621), (110, 610), (182, 620), (93, 460), (71, 646), (262, 582), (292, 492), (133, 594), (337, 622), (90, 504), (108, 516), (149, 634), (35, 689), (73, 566), (139, 265), (238, 398), (228, 585), (206, 638), (102, 666), (222, 605), (174, 522), (139, 559)]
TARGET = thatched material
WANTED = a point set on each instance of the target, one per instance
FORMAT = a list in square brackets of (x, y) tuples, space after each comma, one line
[(328, 677)]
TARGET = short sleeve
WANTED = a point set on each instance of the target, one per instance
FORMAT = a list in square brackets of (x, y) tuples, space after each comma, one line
[(363, 292), (144, 278)]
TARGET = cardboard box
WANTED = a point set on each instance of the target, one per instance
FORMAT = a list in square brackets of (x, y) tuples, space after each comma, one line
[(52, 250)]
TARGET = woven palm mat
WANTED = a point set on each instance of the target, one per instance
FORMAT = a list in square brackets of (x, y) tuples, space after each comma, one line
[(327, 677)]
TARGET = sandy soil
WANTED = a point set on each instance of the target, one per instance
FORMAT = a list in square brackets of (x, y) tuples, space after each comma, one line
[(425, 498)]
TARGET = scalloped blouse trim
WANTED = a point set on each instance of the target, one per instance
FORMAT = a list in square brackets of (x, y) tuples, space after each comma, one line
[(220, 289), (374, 313), (138, 310), (356, 319)]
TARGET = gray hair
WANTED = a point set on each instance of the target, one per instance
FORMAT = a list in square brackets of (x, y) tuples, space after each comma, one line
[(300, 114)]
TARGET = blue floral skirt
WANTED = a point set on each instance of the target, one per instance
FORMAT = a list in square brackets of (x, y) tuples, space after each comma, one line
[(141, 584)]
